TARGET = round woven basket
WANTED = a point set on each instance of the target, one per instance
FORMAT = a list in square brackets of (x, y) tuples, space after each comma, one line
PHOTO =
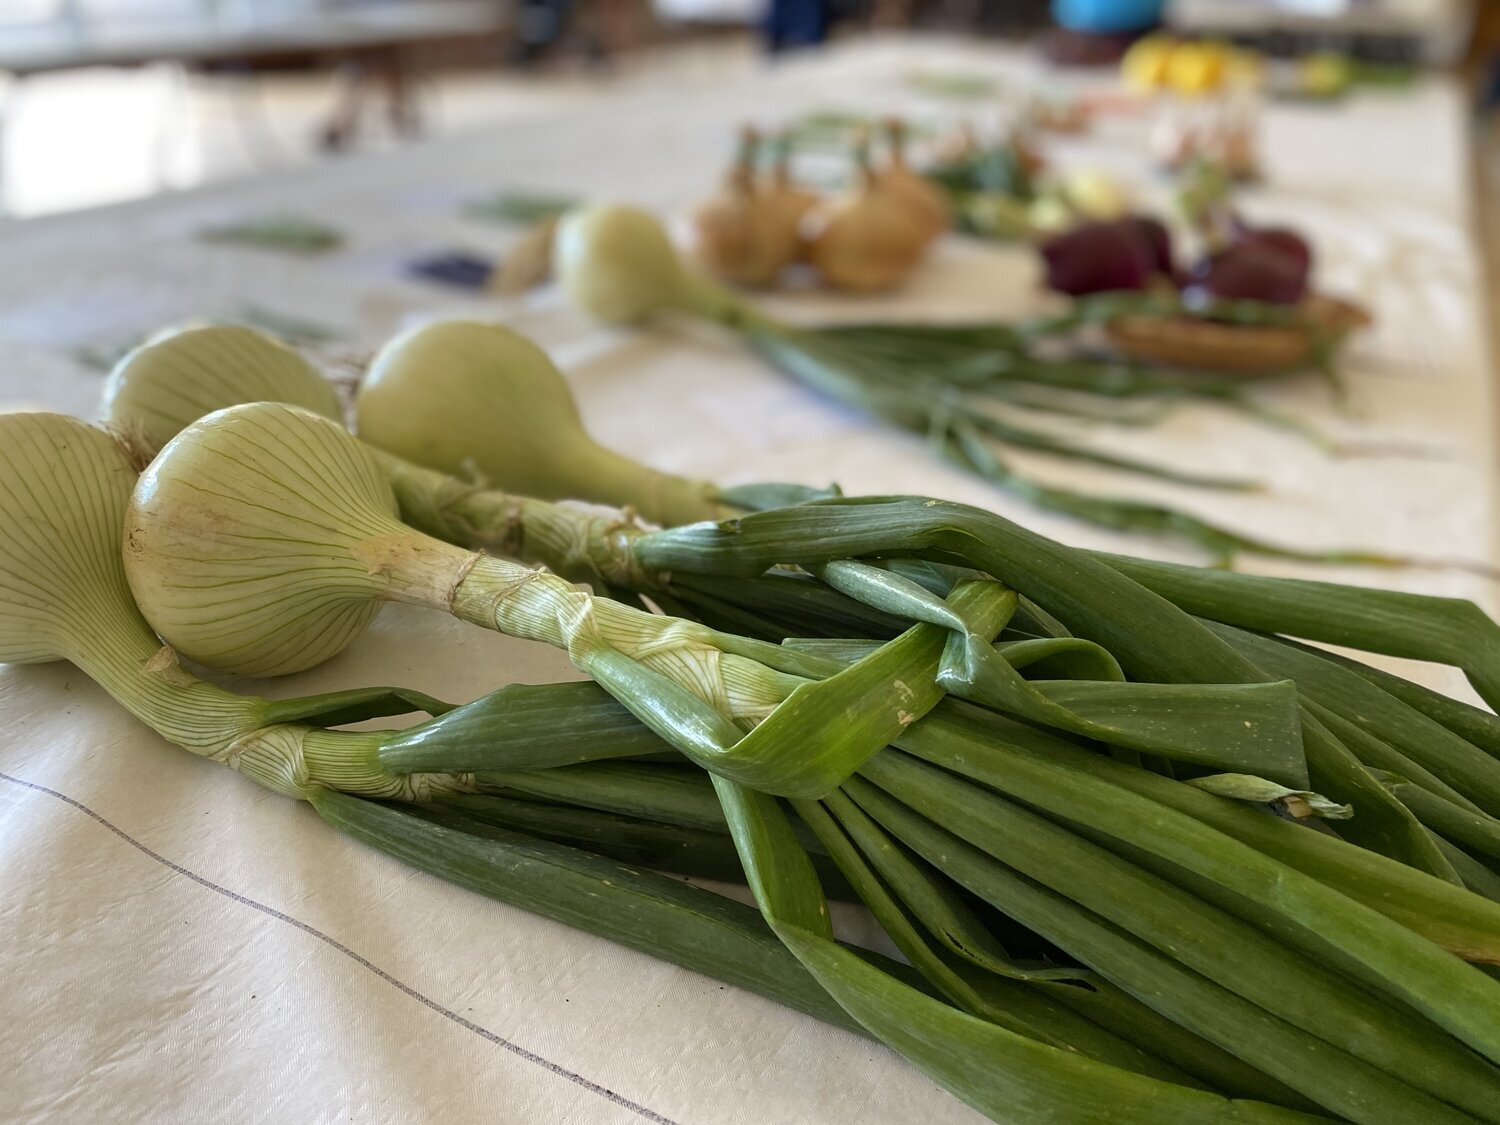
[(1245, 349)]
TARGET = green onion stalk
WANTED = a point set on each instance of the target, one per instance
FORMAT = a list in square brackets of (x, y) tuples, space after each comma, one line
[(168, 384), (64, 487), (717, 602), (162, 387), (476, 355), (63, 596), (949, 384), (263, 533)]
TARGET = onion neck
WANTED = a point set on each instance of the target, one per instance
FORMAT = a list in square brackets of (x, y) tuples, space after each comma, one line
[(534, 605), (700, 297), (123, 656), (349, 761), (657, 497), (577, 544)]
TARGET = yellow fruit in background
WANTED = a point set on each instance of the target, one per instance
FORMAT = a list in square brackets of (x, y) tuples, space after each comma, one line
[(1197, 68), (1145, 65), (1325, 74)]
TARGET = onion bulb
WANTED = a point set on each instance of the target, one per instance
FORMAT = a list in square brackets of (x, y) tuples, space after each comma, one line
[(181, 375), (1271, 264), (868, 240), (64, 596), (618, 265), (1280, 240), (926, 199), (465, 397), (308, 489), (263, 539), (788, 202), (1156, 236), (741, 235), (63, 490), (580, 545)]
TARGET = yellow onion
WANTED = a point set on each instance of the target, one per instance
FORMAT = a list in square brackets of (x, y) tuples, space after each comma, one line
[(927, 199), (788, 202), (868, 240), (741, 235)]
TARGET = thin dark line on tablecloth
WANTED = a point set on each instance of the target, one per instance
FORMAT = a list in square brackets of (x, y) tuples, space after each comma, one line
[(447, 1013)]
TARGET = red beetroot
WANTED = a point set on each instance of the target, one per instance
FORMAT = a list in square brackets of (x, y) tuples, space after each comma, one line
[(1100, 257), (1283, 240), (1158, 238), (1260, 263)]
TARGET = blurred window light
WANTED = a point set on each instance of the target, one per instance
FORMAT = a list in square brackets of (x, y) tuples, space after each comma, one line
[(1325, 8), (30, 11), (710, 11), (96, 13), (135, 9), (1389, 31)]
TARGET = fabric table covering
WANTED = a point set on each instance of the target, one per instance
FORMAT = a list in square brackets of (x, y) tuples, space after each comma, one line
[(178, 945)]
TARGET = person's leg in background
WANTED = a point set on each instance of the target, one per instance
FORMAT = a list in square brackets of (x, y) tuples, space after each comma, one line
[(795, 23)]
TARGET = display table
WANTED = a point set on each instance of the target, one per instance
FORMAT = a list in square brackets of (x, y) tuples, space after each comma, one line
[(374, 40), (245, 35), (178, 945)]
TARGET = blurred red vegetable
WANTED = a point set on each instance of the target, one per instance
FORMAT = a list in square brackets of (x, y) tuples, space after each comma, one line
[(1158, 238), (1283, 240), (1259, 264), (1105, 256)]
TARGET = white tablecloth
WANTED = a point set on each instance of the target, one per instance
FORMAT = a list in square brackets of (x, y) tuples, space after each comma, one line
[(177, 945)]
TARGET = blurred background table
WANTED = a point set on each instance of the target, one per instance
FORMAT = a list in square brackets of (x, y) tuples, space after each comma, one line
[(375, 44), (208, 35), (180, 946)]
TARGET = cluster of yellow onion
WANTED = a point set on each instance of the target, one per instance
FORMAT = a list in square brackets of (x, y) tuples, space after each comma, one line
[(867, 239)]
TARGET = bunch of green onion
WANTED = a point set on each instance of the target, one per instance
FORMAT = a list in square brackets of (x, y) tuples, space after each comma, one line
[(64, 489), (522, 431), (1146, 859), (966, 387)]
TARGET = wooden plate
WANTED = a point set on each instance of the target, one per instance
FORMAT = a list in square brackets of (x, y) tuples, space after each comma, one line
[(1242, 349)]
